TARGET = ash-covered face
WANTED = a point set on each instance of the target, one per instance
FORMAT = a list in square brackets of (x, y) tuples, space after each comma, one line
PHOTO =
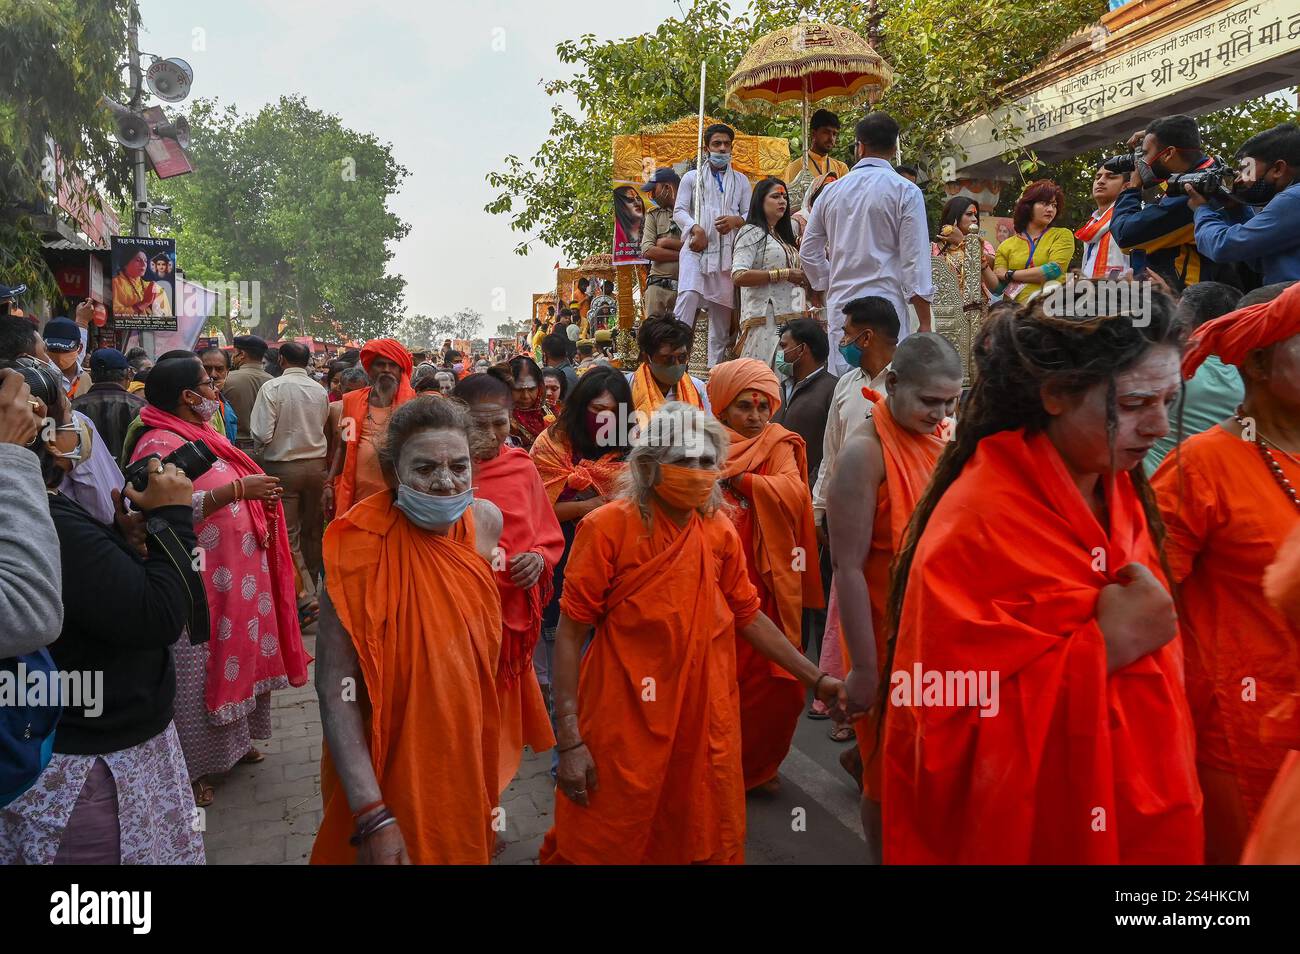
[(489, 428), (1143, 396), (922, 406), (436, 462)]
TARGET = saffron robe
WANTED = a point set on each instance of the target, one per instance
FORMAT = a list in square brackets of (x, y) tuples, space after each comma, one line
[(1226, 520), (425, 619), (909, 462), (658, 705), (510, 481), (773, 516), (1078, 766)]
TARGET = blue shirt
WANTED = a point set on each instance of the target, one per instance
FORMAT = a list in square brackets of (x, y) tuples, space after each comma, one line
[(1211, 396), (1268, 241)]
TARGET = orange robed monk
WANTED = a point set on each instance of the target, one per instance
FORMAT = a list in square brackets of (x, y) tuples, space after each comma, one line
[(1228, 498), (765, 485), (531, 545), (649, 740), (355, 473), (410, 633), (1035, 706), (879, 475)]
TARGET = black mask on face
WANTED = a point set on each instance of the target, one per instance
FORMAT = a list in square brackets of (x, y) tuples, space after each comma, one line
[(1260, 192)]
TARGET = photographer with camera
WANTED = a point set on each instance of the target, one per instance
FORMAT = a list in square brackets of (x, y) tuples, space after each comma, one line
[(116, 789), (223, 699), (1268, 187), (1165, 152)]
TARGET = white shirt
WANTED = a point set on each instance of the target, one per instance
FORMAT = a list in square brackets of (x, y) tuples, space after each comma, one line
[(288, 419), (848, 408), (760, 250), (1115, 257), (875, 220), (717, 286)]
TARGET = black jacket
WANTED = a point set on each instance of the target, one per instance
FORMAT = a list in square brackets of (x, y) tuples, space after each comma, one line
[(112, 408), (805, 412), (120, 615)]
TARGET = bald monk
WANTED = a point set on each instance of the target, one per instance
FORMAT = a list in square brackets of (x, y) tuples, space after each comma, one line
[(765, 486), (355, 473), (881, 471), (1228, 500), (409, 643), (1035, 706), (649, 741), (531, 545)]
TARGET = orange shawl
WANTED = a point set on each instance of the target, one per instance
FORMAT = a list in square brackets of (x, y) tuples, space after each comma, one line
[(354, 410), (425, 618), (553, 458), (647, 397), (1078, 766), (657, 691)]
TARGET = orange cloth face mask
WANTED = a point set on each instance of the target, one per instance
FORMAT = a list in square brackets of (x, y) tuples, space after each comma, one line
[(686, 487)]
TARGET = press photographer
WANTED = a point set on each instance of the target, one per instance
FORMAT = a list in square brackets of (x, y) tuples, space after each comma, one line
[(1267, 186), (1167, 150)]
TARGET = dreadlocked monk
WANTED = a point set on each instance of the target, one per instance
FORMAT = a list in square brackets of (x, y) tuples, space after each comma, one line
[(1036, 712)]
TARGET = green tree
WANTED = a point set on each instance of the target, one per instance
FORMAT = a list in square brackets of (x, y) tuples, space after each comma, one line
[(57, 57), (950, 58), (296, 201)]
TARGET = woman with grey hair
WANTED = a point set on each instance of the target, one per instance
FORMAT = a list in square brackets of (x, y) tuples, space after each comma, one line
[(659, 573)]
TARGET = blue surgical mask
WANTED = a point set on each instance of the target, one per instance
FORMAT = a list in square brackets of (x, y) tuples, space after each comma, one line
[(430, 511), (852, 354), (719, 160)]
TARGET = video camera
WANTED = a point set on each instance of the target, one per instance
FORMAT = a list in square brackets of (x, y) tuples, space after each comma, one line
[(193, 458)]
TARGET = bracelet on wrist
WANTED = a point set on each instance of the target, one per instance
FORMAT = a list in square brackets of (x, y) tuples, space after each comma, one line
[(572, 747)]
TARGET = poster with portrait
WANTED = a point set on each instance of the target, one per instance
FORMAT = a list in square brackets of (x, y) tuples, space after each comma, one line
[(144, 283), (629, 221)]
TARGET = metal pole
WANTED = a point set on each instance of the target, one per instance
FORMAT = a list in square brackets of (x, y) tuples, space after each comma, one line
[(140, 172)]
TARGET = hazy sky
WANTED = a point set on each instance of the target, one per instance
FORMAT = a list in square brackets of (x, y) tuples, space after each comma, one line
[(425, 77)]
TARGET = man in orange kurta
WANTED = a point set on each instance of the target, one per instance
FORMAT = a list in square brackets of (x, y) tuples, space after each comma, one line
[(766, 484), (1227, 516), (880, 474), (424, 616), (365, 422), (510, 481)]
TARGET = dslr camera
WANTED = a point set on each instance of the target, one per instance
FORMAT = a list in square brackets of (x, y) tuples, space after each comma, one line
[(193, 458), (1125, 164), (1214, 182)]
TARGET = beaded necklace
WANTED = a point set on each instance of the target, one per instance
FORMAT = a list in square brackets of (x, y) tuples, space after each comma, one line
[(1274, 467)]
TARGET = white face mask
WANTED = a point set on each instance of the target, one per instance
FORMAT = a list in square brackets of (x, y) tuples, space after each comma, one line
[(206, 408)]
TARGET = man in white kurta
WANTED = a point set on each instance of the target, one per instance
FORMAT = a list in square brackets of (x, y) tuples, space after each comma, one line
[(875, 222), (704, 263)]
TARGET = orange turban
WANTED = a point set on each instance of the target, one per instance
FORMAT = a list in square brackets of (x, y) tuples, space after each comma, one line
[(728, 379), (1240, 332), (390, 349)]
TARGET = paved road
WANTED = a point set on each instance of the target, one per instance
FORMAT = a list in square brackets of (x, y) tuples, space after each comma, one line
[(268, 813)]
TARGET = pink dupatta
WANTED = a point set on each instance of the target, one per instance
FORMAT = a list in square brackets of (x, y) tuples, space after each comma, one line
[(223, 692)]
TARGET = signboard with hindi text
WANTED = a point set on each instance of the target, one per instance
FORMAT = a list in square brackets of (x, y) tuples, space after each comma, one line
[(1215, 51), (144, 283)]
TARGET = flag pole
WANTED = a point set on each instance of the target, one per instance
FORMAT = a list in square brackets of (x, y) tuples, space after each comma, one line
[(698, 196)]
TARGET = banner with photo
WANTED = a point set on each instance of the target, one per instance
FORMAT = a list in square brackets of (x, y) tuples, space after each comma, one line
[(629, 221), (144, 283)]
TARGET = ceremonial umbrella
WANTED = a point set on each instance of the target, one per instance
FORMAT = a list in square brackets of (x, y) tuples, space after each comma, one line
[(785, 72)]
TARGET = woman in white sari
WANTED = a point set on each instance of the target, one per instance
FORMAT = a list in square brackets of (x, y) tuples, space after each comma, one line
[(765, 267)]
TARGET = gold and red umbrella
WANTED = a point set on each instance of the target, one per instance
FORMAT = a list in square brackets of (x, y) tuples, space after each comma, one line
[(789, 70)]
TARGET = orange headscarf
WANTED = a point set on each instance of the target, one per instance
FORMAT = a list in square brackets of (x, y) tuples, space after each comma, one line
[(1240, 332), (728, 379), (354, 409)]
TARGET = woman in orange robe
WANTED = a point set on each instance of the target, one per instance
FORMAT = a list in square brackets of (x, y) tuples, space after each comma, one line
[(1036, 712), (765, 487), (408, 645), (880, 474), (531, 545), (1228, 499), (649, 738)]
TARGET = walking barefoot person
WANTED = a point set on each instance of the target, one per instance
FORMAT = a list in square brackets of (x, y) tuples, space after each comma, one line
[(1030, 587), (649, 740)]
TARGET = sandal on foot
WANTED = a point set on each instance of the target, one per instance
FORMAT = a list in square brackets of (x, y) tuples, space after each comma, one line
[(843, 732), (307, 612), (818, 714), (203, 793), (252, 757)]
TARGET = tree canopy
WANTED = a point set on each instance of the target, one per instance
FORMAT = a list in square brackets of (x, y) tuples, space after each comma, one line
[(291, 198), (57, 57)]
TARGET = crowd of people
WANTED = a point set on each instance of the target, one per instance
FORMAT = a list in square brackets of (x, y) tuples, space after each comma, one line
[(1045, 580)]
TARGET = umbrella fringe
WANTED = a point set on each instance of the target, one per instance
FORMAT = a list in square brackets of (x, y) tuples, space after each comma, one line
[(835, 64)]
